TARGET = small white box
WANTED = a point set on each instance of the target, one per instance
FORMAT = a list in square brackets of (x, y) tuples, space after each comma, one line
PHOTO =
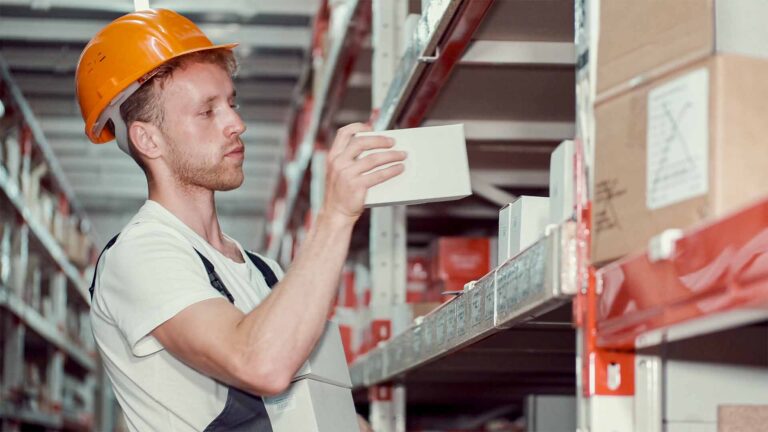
[(312, 406), (562, 189), (436, 168), (521, 224), (327, 362)]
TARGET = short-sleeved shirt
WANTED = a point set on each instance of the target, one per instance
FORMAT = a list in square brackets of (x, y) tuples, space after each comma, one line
[(150, 274)]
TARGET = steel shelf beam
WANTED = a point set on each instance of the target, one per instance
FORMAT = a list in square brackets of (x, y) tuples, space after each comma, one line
[(14, 195), (710, 279), (534, 282), (47, 330)]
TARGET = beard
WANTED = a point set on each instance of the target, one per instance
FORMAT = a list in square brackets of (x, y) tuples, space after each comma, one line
[(209, 171)]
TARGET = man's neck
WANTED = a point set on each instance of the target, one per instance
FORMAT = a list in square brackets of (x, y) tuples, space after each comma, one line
[(195, 207)]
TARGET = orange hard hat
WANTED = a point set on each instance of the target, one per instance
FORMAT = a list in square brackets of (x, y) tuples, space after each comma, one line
[(122, 56)]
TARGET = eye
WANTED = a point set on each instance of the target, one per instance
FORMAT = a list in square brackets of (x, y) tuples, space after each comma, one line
[(235, 107), (206, 113)]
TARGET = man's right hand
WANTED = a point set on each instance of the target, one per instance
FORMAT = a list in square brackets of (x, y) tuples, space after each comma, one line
[(348, 176)]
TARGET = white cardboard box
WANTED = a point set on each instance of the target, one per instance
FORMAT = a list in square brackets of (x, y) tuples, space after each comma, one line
[(436, 168), (562, 189), (327, 362), (521, 224), (312, 406)]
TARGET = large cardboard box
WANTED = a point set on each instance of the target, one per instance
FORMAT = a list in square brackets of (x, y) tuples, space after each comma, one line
[(678, 151), (640, 40), (312, 406), (327, 363)]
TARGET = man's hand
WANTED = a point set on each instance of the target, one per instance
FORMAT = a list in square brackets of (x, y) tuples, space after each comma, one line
[(363, 424), (348, 176)]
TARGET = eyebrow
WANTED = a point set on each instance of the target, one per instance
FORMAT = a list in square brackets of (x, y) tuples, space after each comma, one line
[(210, 99)]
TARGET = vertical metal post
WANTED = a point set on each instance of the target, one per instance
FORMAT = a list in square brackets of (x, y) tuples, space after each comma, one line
[(13, 355), (55, 375), (388, 243)]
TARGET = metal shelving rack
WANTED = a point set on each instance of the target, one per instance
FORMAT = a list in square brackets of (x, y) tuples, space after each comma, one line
[(521, 82), (650, 337), (30, 339)]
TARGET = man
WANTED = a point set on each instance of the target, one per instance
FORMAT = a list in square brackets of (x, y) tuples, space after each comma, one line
[(181, 355)]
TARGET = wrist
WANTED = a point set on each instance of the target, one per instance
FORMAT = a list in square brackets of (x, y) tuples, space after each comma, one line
[(335, 220)]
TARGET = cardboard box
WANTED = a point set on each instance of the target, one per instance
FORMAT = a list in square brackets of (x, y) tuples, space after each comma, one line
[(521, 224), (436, 169), (327, 362), (685, 149), (460, 258), (641, 40), (562, 186), (417, 279), (312, 406), (742, 418)]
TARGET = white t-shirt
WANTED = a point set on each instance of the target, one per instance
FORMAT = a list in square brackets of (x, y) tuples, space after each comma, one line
[(149, 275)]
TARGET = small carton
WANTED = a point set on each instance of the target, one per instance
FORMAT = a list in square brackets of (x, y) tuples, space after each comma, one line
[(327, 363), (562, 189), (436, 169), (521, 224), (312, 406)]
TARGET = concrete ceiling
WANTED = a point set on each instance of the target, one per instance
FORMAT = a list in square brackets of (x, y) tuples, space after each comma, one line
[(42, 39)]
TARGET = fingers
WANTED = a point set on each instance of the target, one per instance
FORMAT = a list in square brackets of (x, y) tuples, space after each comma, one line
[(344, 136), (377, 177), (363, 144), (375, 160)]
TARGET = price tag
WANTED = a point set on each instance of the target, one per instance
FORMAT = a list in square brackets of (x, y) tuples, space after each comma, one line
[(416, 342), (450, 326), (428, 335), (440, 329), (461, 316), (489, 293), (477, 304)]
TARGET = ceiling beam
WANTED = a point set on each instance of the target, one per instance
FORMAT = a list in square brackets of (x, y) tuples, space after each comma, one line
[(65, 60), (72, 30), (486, 190), (500, 53), (511, 130), (63, 85), (74, 126), (243, 8)]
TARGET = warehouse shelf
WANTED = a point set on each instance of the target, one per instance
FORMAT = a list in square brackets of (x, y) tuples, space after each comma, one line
[(27, 416), (50, 245), (41, 141), (43, 327), (704, 280), (537, 281), (339, 58)]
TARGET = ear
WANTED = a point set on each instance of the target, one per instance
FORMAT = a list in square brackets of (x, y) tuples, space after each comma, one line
[(147, 140)]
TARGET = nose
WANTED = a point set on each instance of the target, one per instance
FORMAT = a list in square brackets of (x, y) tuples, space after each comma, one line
[(235, 125)]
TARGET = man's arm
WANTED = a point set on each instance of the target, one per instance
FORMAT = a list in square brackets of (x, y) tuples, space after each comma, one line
[(261, 351)]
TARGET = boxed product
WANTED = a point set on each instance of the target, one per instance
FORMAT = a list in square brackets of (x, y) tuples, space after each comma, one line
[(417, 282), (327, 362), (641, 40), (562, 186), (436, 168), (521, 224), (460, 258), (312, 406), (680, 150)]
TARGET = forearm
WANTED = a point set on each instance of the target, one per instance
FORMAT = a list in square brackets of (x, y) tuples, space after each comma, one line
[(284, 329)]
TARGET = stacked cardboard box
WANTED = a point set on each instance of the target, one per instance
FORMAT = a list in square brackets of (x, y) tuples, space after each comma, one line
[(457, 261), (679, 117)]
